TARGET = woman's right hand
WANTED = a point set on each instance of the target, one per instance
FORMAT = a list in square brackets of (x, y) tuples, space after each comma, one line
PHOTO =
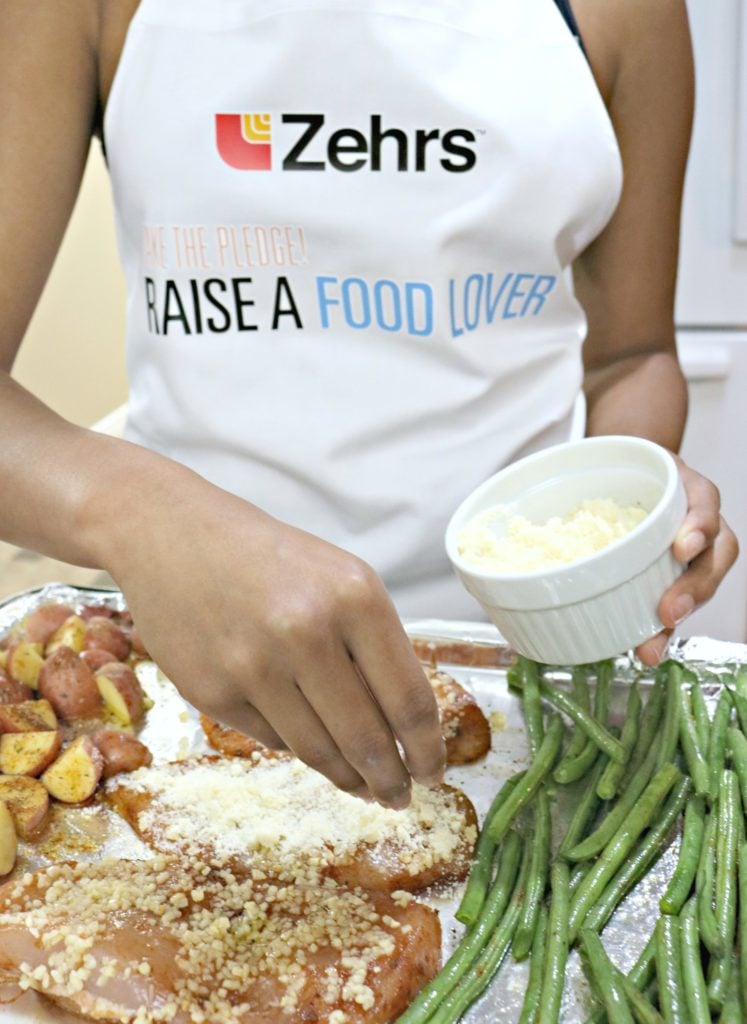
[(278, 634)]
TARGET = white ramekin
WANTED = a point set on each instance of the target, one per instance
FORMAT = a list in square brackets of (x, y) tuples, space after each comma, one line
[(596, 607)]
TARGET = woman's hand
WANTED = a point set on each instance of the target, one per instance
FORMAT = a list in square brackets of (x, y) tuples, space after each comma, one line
[(280, 635), (707, 544)]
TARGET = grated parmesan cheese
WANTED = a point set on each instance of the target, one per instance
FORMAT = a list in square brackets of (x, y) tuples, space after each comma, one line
[(290, 816), (526, 546)]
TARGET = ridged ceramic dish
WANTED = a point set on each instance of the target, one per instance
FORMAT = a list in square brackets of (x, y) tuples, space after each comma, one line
[(600, 605)]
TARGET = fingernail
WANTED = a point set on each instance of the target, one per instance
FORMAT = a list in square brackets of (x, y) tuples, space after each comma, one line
[(397, 803), (659, 647), (693, 544), (363, 794), (682, 607)]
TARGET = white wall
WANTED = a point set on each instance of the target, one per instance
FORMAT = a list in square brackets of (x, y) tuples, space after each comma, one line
[(73, 355)]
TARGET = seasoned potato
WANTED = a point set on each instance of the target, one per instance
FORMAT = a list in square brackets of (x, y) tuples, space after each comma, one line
[(69, 686), (8, 840), (95, 658), (24, 662), (11, 691), (74, 775), (28, 753), (27, 716), (103, 634), (121, 692), (70, 634), (122, 752), (45, 621), (28, 802), (136, 642)]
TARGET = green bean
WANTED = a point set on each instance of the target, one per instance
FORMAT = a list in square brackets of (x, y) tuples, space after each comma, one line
[(482, 863), (613, 773), (526, 789), (683, 877), (669, 970), (606, 742), (729, 810), (743, 923), (473, 940), (737, 746), (696, 762), (704, 878), (639, 861), (732, 1011), (474, 982), (643, 1011), (696, 994), (580, 689), (717, 744), (620, 845), (671, 728), (740, 703), (605, 979), (572, 768), (537, 880), (585, 808), (532, 703), (618, 814), (700, 712), (641, 975), (556, 953), (648, 734), (530, 1007)]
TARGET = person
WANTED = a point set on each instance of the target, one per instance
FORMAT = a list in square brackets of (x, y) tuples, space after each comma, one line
[(348, 230)]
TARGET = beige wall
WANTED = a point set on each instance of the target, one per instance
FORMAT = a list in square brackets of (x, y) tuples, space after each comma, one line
[(73, 354)]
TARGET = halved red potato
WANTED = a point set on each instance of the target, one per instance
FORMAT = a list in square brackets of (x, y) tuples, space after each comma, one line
[(121, 692), (12, 691), (74, 775), (103, 634), (28, 803), (27, 716), (8, 840), (45, 620), (29, 753), (96, 658), (69, 634), (163, 940), (121, 751), (68, 684), (24, 662)]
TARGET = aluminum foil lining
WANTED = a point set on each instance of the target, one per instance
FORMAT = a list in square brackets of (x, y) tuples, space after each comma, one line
[(464, 649)]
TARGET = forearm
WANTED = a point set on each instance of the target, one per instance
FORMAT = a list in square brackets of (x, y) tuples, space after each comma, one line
[(68, 491), (644, 395)]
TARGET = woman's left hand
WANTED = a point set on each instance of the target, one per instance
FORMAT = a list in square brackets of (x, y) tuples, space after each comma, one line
[(709, 547)]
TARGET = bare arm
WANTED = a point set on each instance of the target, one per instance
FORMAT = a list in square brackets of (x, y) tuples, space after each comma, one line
[(642, 59), (263, 627)]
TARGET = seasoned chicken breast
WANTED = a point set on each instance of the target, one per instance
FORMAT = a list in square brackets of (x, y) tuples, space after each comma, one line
[(174, 940)]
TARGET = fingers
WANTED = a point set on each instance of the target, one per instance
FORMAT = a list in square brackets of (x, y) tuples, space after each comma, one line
[(303, 731), (356, 724), (393, 675), (709, 547)]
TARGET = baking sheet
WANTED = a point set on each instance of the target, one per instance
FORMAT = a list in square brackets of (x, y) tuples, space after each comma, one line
[(474, 654)]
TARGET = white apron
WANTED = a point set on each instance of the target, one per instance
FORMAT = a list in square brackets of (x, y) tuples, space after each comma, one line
[(346, 228)]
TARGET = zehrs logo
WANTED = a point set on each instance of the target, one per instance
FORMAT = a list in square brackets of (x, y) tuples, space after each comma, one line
[(305, 142)]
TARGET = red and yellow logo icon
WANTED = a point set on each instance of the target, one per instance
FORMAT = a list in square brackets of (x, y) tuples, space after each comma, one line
[(245, 140)]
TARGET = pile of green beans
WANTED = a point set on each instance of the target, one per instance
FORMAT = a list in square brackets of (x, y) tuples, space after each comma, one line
[(667, 768)]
